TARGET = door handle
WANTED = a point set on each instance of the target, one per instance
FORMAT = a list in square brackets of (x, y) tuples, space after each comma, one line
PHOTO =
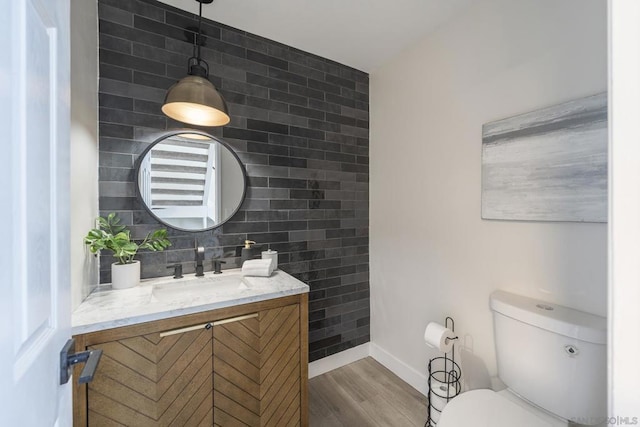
[(90, 358)]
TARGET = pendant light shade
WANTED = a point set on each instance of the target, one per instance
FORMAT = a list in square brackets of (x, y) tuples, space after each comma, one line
[(194, 99)]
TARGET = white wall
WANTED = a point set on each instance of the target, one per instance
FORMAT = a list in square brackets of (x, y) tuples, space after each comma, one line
[(431, 254), (84, 144)]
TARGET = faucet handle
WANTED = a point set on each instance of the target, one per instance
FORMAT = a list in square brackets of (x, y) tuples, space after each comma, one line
[(199, 253), (217, 266), (177, 270)]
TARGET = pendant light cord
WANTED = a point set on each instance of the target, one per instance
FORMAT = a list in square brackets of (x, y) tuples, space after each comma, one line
[(196, 65), (198, 41)]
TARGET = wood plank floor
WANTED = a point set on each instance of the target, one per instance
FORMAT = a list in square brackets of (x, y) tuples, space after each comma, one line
[(364, 393)]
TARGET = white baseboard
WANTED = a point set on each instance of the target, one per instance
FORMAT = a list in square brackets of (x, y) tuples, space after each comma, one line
[(406, 373), (415, 379), (338, 360)]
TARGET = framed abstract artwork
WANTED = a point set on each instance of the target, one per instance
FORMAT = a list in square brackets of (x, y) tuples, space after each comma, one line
[(547, 165)]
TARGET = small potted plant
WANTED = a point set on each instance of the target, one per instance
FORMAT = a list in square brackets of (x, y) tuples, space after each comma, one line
[(111, 235)]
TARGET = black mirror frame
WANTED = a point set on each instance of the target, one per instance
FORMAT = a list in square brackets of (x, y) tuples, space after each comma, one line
[(169, 134)]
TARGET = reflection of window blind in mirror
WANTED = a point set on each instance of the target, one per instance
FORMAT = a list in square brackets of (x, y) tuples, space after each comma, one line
[(181, 180), (181, 176)]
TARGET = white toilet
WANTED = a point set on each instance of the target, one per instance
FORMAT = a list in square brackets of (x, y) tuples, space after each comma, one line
[(553, 361)]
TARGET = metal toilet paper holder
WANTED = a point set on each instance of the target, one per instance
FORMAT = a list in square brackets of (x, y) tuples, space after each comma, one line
[(443, 380)]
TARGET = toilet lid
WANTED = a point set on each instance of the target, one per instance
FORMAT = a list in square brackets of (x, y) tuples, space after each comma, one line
[(486, 408)]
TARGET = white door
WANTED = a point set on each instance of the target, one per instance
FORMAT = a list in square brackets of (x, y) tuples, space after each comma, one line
[(35, 311)]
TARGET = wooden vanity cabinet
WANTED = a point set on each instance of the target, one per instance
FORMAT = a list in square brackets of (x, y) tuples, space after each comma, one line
[(238, 366)]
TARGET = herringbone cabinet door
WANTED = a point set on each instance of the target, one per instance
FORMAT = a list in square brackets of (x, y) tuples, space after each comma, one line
[(257, 370), (153, 381)]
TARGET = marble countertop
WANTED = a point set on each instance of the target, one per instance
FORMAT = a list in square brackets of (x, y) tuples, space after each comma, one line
[(164, 297)]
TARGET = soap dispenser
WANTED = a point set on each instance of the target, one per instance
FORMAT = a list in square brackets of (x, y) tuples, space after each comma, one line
[(247, 251)]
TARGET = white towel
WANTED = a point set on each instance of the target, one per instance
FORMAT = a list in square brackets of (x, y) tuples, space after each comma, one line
[(257, 267)]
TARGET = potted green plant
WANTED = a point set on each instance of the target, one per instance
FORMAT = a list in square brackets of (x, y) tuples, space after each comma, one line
[(113, 236)]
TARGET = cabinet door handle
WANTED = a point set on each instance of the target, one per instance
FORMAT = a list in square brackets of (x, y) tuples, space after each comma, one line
[(187, 329), (235, 319), (208, 325)]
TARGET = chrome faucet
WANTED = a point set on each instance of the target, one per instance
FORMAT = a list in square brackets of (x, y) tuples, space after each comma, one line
[(199, 260)]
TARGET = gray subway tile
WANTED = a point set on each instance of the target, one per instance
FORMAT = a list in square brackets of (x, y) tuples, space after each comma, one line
[(112, 14), (115, 43), (117, 189), (268, 171)]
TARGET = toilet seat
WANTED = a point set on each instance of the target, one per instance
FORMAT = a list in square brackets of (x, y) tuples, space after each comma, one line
[(486, 408)]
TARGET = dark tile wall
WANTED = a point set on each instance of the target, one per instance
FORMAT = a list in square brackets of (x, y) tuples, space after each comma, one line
[(299, 124)]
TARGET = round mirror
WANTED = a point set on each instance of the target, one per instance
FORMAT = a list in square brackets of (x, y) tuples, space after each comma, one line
[(190, 180)]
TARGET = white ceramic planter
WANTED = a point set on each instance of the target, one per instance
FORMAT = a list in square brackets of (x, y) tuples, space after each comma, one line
[(124, 276)]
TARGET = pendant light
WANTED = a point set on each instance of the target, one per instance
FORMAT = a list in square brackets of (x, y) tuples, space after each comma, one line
[(194, 99)]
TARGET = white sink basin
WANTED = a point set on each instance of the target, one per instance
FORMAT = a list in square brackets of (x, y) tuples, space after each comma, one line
[(195, 287)]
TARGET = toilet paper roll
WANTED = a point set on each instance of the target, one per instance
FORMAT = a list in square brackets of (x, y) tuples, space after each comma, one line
[(434, 417), (438, 398), (437, 336), (438, 394)]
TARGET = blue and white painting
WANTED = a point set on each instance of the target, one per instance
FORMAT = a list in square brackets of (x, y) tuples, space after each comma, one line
[(547, 165)]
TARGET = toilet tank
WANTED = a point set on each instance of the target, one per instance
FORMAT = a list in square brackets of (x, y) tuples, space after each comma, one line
[(552, 356)]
